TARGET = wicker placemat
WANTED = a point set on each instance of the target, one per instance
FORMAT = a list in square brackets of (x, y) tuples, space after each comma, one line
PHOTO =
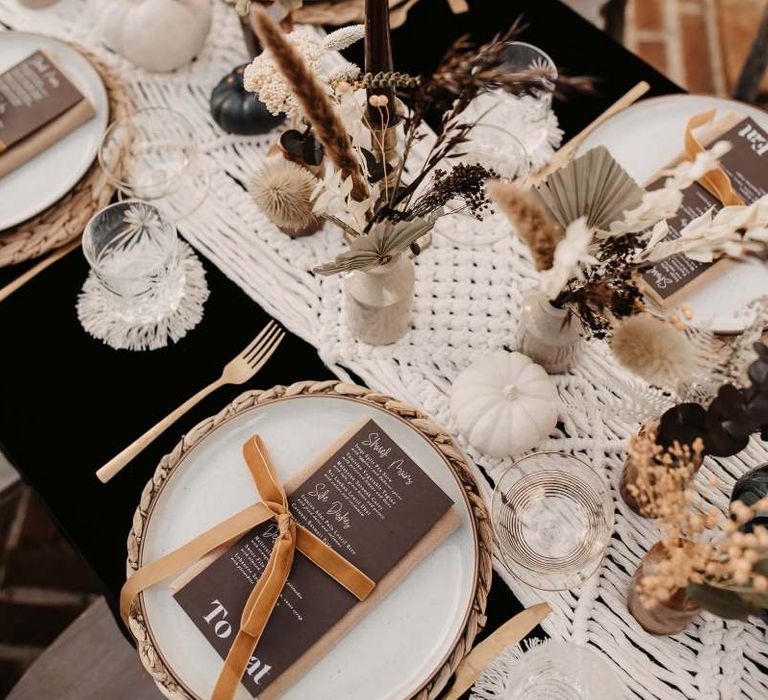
[(65, 220), (443, 442)]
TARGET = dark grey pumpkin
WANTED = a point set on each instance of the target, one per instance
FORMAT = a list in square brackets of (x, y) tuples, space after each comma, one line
[(238, 111), (749, 489)]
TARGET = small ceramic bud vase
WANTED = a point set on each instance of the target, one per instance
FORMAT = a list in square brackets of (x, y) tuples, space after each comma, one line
[(378, 301), (549, 336), (671, 616)]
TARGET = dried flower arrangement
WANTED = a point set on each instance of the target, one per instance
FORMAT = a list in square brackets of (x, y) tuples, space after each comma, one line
[(726, 576), (353, 116), (725, 425), (719, 423), (592, 243)]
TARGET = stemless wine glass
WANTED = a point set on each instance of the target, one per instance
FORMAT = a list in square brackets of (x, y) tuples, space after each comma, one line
[(564, 671), (134, 254), (152, 155), (496, 149), (536, 103), (552, 515)]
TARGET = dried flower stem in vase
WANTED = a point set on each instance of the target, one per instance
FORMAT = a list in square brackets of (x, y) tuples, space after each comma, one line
[(655, 480), (663, 617), (315, 103)]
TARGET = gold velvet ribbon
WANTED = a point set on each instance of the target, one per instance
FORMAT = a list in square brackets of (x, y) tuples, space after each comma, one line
[(716, 181), (266, 591)]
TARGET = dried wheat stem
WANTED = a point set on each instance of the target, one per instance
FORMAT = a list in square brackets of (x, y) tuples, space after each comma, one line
[(534, 227), (315, 103)]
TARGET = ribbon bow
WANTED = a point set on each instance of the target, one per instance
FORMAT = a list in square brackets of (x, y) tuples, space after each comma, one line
[(716, 181), (266, 591)]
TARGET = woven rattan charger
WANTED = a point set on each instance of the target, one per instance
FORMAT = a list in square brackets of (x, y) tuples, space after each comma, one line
[(63, 223), (150, 656)]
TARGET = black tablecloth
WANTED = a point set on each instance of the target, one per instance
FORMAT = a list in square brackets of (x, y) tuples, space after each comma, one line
[(69, 403)]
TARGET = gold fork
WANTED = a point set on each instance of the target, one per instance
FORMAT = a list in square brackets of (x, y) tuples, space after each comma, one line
[(237, 371)]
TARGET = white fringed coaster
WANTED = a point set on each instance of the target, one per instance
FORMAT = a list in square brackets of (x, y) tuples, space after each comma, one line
[(492, 683), (124, 330)]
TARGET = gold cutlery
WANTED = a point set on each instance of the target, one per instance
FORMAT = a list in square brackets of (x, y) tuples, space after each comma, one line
[(21, 280), (510, 632), (566, 152), (238, 371)]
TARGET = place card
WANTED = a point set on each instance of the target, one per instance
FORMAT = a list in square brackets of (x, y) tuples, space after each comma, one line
[(747, 166), (38, 106), (365, 498)]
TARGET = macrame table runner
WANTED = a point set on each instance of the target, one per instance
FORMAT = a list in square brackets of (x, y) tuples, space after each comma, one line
[(467, 302)]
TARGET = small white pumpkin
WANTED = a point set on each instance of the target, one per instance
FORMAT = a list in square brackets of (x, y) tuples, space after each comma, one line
[(157, 35), (504, 404)]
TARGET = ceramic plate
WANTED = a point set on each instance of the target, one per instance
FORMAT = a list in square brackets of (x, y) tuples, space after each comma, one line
[(393, 651), (647, 136), (46, 178)]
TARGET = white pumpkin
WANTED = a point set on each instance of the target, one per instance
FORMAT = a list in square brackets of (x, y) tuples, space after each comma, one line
[(504, 404), (157, 35)]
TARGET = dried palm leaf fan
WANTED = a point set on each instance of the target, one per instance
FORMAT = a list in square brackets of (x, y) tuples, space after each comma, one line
[(593, 185)]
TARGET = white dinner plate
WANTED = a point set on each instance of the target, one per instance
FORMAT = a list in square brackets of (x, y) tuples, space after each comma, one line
[(396, 648), (647, 136), (47, 177)]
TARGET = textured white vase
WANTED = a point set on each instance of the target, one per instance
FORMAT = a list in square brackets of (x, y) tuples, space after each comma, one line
[(548, 335), (378, 301)]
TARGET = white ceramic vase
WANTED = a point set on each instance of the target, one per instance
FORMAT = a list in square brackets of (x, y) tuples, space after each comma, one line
[(548, 335), (378, 301)]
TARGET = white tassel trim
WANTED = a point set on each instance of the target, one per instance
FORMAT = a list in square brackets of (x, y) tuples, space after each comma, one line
[(122, 330)]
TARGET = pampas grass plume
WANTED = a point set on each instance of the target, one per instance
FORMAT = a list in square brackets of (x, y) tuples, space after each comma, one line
[(313, 98), (283, 191), (537, 230), (654, 350)]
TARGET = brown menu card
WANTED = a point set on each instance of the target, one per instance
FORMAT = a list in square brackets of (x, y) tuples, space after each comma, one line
[(747, 166), (368, 500), (38, 106)]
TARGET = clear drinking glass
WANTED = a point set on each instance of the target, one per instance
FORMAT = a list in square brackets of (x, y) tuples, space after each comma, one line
[(134, 253), (152, 155), (534, 106), (497, 149), (564, 671), (553, 516)]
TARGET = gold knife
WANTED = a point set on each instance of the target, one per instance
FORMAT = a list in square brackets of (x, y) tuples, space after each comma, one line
[(510, 632)]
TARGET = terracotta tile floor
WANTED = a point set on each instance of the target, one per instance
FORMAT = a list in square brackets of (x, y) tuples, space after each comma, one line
[(700, 44)]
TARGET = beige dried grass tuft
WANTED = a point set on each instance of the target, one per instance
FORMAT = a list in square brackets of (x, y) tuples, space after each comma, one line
[(654, 350)]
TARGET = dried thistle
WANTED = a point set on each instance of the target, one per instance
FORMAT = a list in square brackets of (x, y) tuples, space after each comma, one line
[(537, 230), (654, 350), (283, 191), (315, 103)]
